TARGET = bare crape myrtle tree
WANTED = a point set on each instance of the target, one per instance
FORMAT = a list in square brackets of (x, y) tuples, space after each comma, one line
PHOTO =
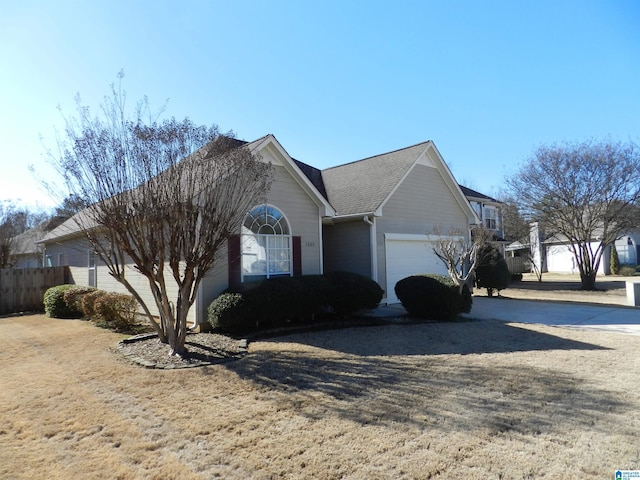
[(461, 257), (164, 197)]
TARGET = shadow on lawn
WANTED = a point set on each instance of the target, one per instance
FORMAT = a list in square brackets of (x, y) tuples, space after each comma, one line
[(443, 338), (431, 393), (385, 382)]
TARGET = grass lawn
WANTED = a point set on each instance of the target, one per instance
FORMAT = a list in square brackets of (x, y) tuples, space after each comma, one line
[(475, 400)]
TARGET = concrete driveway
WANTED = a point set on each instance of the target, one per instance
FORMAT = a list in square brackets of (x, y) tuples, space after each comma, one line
[(561, 314)]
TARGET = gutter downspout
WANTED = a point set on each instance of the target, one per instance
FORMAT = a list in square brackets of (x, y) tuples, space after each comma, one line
[(199, 310), (320, 241), (373, 247)]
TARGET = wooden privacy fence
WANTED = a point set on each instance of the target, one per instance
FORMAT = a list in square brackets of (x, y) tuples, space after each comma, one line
[(22, 289), (517, 264)]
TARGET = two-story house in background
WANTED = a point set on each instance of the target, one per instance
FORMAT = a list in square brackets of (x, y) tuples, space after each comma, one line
[(489, 211)]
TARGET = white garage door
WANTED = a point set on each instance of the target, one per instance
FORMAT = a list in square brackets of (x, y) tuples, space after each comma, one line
[(409, 255)]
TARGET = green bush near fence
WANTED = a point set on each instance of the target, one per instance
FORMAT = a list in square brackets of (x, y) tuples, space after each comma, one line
[(55, 305), (116, 311)]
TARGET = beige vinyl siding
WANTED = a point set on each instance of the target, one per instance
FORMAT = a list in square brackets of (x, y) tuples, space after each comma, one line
[(420, 205), (76, 254), (303, 216), (216, 281), (347, 247)]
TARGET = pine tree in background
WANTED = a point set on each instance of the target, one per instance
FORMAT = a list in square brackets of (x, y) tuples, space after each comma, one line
[(492, 272), (614, 260)]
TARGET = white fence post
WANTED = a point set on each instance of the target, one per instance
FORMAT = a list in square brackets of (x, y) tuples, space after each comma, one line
[(633, 293)]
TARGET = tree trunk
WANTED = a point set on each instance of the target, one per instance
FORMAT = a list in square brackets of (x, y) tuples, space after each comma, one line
[(588, 281)]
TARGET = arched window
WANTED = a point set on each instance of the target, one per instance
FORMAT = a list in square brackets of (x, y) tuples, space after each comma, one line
[(266, 243)]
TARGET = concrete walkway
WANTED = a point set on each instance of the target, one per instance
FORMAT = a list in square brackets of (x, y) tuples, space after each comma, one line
[(561, 314)]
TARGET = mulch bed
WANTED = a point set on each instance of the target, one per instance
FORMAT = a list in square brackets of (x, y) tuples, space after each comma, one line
[(203, 349)]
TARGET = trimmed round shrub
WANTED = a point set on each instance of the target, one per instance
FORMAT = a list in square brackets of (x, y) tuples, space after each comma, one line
[(230, 312), (55, 306), (73, 296), (492, 272), (88, 300), (350, 293), (285, 300), (627, 270), (433, 297), (116, 311), (281, 301)]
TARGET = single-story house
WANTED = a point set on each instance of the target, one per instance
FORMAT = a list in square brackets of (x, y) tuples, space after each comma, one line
[(378, 217), (27, 251)]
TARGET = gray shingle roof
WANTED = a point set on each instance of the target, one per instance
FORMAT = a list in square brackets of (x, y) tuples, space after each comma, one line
[(468, 192), (314, 175), (362, 186)]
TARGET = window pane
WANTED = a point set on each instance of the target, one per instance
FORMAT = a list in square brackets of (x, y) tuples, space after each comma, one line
[(254, 254), (265, 244)]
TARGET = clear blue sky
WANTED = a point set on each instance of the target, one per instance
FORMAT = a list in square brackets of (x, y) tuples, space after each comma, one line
[(334, 80)]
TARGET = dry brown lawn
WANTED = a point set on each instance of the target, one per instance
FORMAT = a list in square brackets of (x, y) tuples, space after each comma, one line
[(564, 287), (475, 400)]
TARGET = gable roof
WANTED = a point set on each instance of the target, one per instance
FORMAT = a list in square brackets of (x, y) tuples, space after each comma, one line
[(302, 174), (468, 192), (306, 176), (314, 175), (27, 242), (364, 185)]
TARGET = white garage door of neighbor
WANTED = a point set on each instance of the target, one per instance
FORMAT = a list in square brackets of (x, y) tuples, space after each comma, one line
[(409, 257)]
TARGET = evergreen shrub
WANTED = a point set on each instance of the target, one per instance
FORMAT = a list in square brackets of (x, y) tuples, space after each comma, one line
[(88, 300), (116, 311), (55, 306), (434, 297), (614, 261), (516, 277), (492, 272), (284, 301), (73, 296), (231, 313), (350, 293)]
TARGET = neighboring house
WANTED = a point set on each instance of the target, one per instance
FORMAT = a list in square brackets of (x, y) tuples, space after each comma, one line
[(554, 255), (28, 253), (489, 211), (377, 217)]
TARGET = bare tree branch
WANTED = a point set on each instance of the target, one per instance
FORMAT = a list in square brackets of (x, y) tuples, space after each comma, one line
[(586, 194), (461, 257), (164, 197)]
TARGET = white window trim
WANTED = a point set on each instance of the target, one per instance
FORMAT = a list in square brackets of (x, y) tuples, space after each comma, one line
[(493, 211), (91, 269), (289, 237)]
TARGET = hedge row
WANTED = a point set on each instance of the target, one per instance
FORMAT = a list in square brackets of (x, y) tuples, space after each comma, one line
[(433, 297), (116, 311), (293, 300)]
